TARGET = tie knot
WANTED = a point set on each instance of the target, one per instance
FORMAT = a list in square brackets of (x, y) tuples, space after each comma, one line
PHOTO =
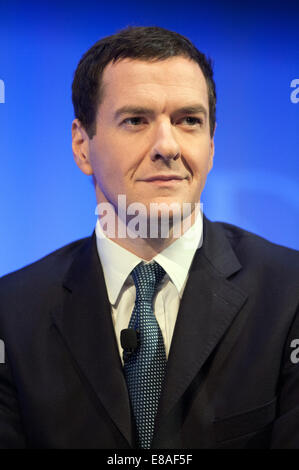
[(146, 278)]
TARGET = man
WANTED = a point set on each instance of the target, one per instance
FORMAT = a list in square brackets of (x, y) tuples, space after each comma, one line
[(135, 339)]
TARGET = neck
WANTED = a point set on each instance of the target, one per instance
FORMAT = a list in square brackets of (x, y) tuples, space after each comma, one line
[(144, 238)]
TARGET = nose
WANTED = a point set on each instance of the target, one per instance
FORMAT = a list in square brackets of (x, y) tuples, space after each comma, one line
[(165, 145)]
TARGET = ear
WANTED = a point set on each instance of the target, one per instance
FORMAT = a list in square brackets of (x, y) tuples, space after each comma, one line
[(212, 151), (80, 146)]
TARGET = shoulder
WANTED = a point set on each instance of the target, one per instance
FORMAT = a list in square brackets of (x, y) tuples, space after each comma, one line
[(47, 271), (259, 253), (30, 295)]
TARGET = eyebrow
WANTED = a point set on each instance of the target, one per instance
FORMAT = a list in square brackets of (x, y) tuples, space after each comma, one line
[(193, 109), (132, 110), (141, 110)]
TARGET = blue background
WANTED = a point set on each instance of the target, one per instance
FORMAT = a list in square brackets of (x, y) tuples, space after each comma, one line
[(47, 202)]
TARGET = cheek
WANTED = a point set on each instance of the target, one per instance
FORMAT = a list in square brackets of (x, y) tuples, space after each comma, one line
[(199, 164), (102, 160), (113, 155), (196, 151)]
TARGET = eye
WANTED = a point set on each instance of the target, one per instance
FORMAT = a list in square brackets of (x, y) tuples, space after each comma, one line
[(133, 121), (192, 121)]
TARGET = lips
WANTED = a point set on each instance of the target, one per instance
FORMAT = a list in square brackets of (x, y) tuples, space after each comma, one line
[(164, 178)]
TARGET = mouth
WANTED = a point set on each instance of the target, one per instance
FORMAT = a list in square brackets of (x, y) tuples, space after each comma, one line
[(164, 179)]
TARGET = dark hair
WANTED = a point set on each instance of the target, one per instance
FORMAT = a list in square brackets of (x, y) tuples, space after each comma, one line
[(144, 43)]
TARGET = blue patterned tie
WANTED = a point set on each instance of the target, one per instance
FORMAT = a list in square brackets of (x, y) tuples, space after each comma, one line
[(145, 368)]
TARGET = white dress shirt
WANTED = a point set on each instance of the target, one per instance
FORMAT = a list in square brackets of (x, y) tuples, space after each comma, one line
[(118, 263)]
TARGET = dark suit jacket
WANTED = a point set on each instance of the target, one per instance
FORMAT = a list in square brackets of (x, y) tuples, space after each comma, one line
[(230, 380)]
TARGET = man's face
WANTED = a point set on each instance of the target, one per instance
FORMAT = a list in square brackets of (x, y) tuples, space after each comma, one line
[(152, 139)]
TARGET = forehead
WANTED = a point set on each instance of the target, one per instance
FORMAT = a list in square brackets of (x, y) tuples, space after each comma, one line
[(174, 80)]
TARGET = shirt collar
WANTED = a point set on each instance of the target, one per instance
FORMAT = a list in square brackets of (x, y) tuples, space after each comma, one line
[(176, 259)]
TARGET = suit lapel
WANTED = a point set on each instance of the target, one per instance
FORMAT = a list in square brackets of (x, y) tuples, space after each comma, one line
[(84, 320), (209, 305)]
